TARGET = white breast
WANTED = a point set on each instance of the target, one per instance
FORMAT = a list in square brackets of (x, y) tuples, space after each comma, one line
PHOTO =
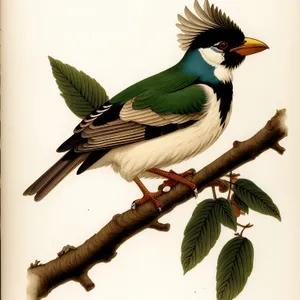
[(135, 159)]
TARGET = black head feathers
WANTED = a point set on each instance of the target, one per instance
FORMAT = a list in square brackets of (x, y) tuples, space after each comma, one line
[(196, 28)]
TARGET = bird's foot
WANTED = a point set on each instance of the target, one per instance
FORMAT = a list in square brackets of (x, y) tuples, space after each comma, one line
[(174, 178), (148, 196), (169, 183)]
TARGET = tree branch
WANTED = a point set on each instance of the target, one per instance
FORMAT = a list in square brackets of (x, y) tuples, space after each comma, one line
[(74, 263), (160, 226)]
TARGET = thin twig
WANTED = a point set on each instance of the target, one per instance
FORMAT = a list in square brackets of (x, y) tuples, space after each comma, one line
[(244, 227), (214, 192), (230, 184)]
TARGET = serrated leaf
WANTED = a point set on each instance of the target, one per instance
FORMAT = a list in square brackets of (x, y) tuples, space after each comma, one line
[(235, 264), (225, 213), (241, 204), (82, 93), (256, 198), (200, 235)]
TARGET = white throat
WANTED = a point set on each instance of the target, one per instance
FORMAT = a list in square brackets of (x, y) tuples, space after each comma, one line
[(215, 59), (223, 74)]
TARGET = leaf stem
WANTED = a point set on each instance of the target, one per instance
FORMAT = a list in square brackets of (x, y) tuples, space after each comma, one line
[(244, 227), (230, 184), (214, 192)]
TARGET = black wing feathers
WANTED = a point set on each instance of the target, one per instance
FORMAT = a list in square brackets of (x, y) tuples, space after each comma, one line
[(156, 131), (90, 160), (70, 143), (106, 113)]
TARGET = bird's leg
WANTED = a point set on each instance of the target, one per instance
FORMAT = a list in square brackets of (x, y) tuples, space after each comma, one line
[(148, 196), (174, 178)]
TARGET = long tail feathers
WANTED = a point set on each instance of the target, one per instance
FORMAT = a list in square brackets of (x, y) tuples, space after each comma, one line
[(91, 159), (43, 185)]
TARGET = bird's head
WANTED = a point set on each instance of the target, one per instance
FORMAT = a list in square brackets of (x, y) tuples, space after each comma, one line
[(219, 40)]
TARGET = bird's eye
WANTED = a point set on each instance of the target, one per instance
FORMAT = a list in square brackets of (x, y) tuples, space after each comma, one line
[(223, 45)]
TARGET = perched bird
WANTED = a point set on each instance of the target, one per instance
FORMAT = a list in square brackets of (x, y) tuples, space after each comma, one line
[(166, 118)]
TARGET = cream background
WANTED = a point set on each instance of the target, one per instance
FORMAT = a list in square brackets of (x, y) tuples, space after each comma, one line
[(119, 43)]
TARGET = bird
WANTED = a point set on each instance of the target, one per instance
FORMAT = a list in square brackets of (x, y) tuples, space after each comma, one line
[(164, 119)]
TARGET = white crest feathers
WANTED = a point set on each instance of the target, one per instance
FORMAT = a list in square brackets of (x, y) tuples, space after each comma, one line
[(208, 17)]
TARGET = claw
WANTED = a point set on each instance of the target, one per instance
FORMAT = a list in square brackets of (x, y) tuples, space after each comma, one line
[(195, 193), (192, 171), (166, 189), (133, 205)]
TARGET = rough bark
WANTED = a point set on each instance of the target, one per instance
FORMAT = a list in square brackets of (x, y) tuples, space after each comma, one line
[(74, 263)]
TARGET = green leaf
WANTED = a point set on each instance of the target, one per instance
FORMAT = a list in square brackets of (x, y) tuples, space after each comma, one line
[(235, 265), (200, 235), (255, 198), (241, 204), (82, 93), (225, 213)]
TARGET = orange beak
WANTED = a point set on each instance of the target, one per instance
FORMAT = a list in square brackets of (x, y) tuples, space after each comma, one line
[(250, 46)]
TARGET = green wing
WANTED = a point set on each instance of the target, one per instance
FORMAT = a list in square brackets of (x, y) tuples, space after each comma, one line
[(186, 101), (171, 91)]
